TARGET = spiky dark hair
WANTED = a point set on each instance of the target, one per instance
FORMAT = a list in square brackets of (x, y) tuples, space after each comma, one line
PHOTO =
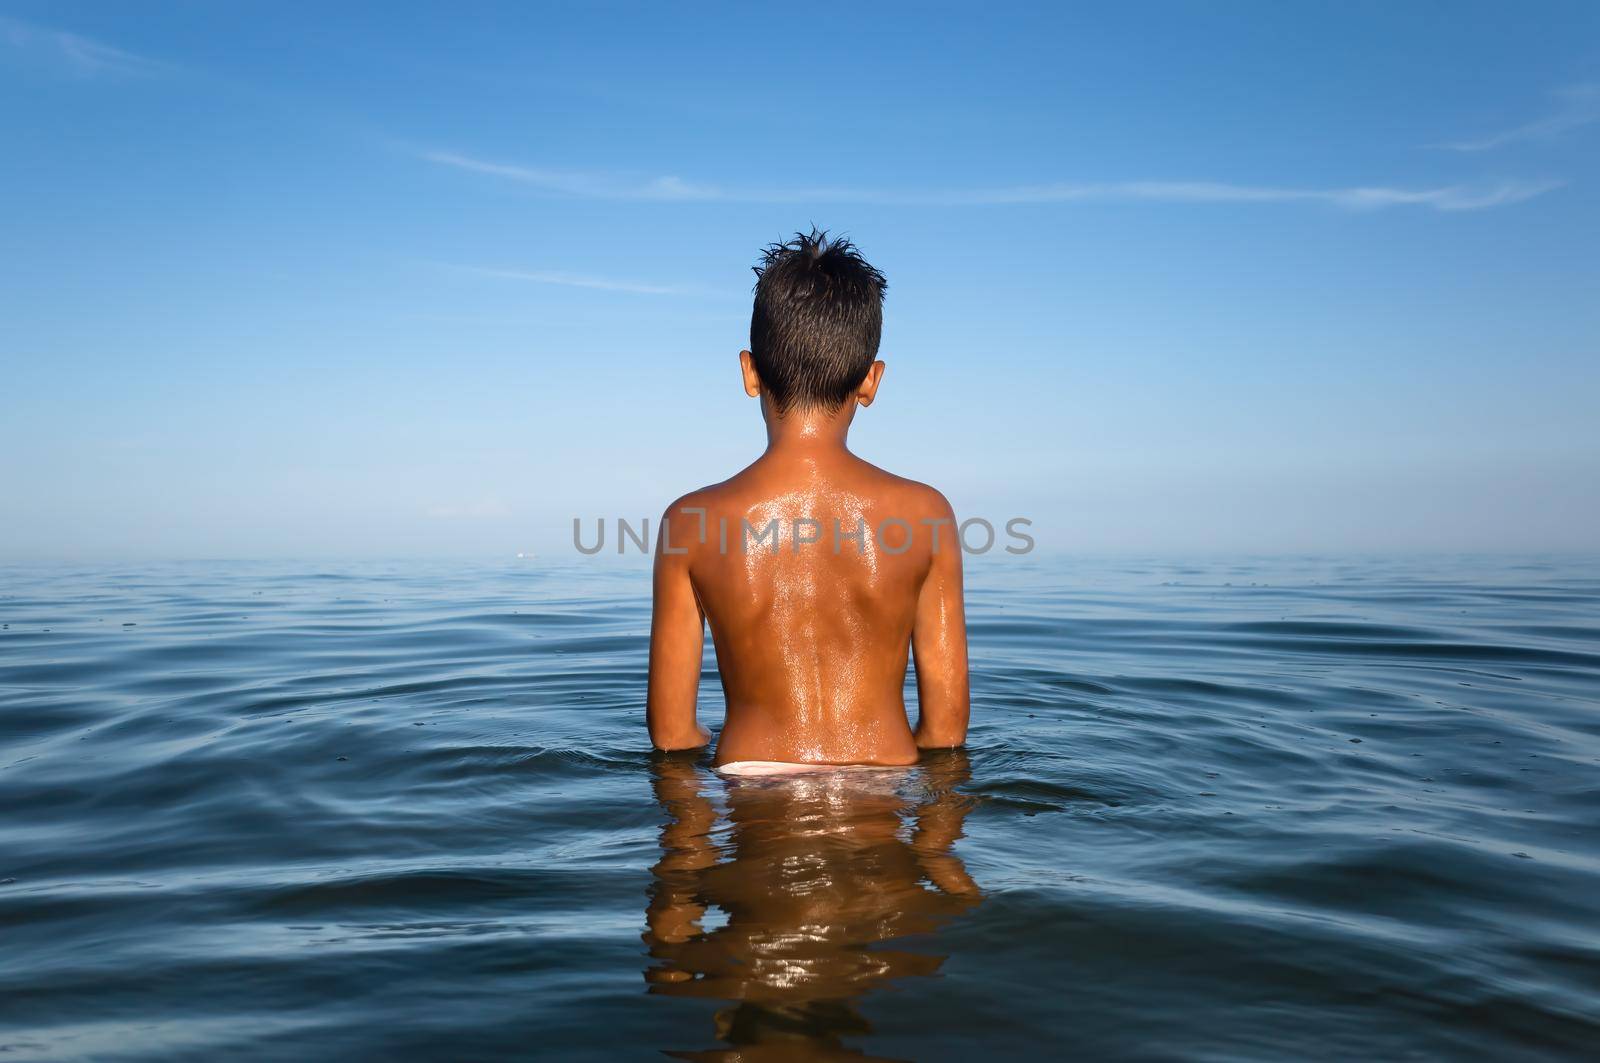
[(817, 320)]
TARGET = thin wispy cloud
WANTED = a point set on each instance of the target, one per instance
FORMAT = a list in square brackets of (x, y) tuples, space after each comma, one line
[(577, 280), (76, 54), (1577, 106), (593, 185), (1445, 197), (602, 185)]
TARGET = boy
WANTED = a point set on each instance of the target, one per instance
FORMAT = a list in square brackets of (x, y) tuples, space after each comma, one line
[(818, 572)]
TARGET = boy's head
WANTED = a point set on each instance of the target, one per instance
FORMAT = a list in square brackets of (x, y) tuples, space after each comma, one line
[(816, 324)]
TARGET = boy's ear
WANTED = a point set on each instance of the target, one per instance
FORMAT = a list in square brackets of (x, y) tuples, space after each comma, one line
[(869, 386), (747, 368)]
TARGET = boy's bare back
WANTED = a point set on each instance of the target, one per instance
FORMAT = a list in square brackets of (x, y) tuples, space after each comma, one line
[(818, 573)]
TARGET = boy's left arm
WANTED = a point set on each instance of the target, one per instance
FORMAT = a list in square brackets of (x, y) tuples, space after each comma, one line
[(677, 641), (939, 643)]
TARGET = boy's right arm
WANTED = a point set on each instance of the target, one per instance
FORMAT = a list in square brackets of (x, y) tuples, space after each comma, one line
[(939, 643), (677, 640)]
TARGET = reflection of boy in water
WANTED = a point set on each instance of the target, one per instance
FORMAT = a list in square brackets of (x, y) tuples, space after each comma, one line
[(818, 870)]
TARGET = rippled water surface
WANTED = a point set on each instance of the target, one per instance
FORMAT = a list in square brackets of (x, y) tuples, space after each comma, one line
[(1220, 810)]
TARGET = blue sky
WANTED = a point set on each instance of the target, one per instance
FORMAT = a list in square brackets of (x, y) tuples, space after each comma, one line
[(403, 279)]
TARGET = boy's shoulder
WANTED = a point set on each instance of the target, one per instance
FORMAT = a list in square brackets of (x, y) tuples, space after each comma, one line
[(917, 498), (720, 513), (709, 497)]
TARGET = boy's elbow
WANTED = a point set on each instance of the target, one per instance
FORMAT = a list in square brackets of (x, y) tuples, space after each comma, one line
[(928, 737), (668, 739)]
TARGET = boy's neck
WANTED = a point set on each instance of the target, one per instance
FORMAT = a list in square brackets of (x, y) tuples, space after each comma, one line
[(810, 432)]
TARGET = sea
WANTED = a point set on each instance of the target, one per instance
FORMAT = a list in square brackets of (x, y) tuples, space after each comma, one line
[(1225, 808)]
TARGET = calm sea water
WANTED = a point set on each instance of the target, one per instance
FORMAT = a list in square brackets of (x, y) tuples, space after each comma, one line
[(1222, 810)]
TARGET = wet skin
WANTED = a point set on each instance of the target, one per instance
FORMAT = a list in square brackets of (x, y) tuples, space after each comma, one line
[(816, 876), (812, 638)]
